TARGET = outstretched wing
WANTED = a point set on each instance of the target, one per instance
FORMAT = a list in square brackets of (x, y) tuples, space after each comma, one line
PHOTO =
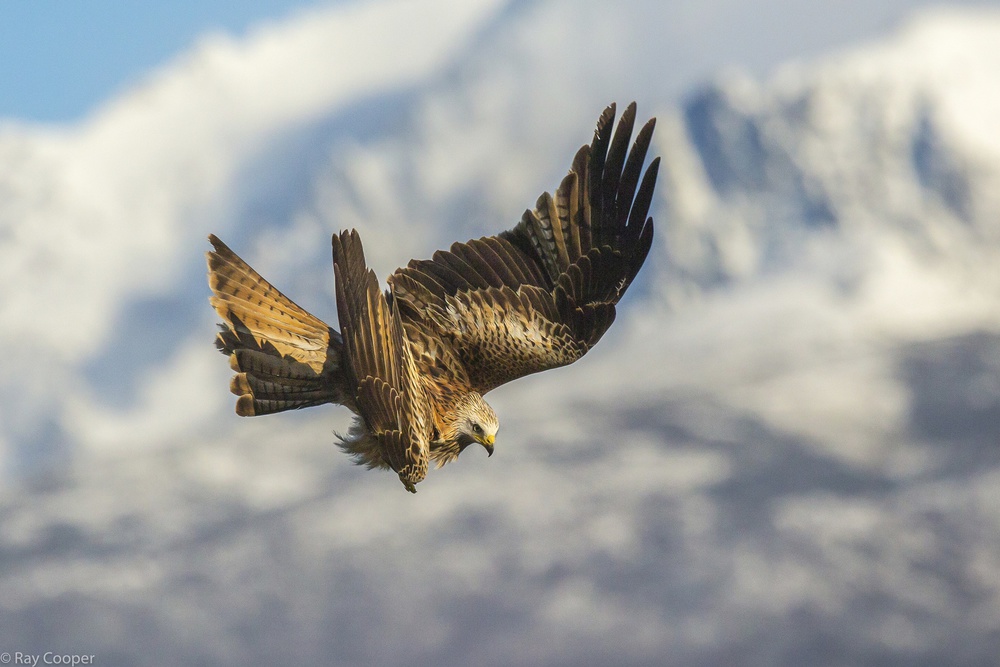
[(542, 294), (388, 398)]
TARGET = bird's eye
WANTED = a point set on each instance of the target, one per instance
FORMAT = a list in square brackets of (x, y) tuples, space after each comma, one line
[(476, 428)]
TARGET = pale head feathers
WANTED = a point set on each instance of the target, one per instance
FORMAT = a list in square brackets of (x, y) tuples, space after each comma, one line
[(471, 420)]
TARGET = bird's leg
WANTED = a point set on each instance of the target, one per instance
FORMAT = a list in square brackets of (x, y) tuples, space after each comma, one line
[(407, 483)]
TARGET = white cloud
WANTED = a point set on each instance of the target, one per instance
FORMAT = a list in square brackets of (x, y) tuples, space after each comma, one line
[(114, 209)]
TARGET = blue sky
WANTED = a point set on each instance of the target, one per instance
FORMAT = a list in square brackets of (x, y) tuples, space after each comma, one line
[(61, 58)]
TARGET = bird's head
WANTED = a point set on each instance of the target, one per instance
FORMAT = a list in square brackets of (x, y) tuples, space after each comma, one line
[(476, 422)]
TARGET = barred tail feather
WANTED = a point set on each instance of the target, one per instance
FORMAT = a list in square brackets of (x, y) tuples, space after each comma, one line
[(284, 358)]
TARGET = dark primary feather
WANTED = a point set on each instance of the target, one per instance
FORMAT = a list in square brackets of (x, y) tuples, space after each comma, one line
[(542, 294)]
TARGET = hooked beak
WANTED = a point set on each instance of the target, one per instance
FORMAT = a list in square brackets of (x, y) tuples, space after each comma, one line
[(487, 443)]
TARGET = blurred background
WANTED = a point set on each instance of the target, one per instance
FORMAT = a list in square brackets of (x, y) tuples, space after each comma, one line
[(785, 452)]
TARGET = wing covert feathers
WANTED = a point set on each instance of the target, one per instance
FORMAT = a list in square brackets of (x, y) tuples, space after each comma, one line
[(542, 294)]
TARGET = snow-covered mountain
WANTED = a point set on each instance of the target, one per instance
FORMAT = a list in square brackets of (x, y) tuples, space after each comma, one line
[(893, 144), (784, 452)]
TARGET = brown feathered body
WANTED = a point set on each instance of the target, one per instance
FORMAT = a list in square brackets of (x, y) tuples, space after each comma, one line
[(413, 362)]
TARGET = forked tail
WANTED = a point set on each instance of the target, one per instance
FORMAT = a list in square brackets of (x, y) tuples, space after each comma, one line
[(284, 358)]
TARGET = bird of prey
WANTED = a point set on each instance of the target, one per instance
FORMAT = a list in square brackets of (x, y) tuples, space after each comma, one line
[(414, 362)]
